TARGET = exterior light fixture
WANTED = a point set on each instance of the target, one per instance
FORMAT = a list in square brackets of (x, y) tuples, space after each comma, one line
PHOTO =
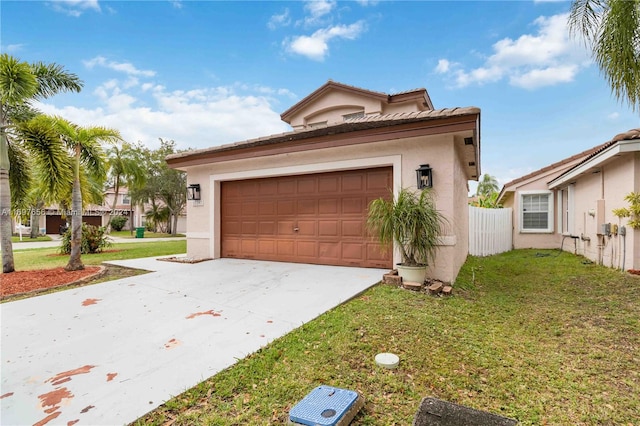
[(425, 178), (193, 192)]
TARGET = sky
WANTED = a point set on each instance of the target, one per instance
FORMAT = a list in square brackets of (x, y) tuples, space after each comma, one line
[(206, 73)]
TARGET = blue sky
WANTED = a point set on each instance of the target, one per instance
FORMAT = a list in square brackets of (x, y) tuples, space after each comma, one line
[(204, 73)]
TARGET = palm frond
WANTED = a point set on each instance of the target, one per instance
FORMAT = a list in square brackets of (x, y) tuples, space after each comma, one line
[(53, 78), (17, 82), (19, 177)]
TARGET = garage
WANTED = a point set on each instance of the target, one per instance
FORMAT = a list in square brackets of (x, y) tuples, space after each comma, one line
[(55, 221), (313, 218)]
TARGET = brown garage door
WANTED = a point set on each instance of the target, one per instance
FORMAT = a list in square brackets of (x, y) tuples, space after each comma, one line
[(54, 222), (317, 218)]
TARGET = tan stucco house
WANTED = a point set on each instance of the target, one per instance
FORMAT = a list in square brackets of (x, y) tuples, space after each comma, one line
[(302, 196), (569, 204)]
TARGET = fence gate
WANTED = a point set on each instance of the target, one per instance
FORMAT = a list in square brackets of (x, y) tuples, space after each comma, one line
[(490, 231)]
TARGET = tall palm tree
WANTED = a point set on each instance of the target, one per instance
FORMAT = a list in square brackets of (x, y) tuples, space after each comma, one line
[(125, 169), (20, 84), (487, 186), (612, 28), (85, 146)]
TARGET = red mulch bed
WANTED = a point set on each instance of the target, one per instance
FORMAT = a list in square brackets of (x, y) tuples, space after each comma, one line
[(26, 281)]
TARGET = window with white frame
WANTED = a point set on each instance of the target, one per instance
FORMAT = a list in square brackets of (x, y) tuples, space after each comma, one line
[(536, 211)]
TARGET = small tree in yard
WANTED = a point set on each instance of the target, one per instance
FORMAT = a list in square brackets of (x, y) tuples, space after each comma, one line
[(632, 212), (94, 240)]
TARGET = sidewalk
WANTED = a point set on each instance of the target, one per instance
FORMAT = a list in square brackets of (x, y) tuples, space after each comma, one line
[(26, 245)]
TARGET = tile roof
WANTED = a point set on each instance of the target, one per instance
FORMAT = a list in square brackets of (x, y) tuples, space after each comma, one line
[(587, 154), (354, 124)]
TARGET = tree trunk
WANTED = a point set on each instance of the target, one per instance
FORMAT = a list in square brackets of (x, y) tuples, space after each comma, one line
[(5, 203), (174, 228), (75, 262), (115, 203), (35, 218)]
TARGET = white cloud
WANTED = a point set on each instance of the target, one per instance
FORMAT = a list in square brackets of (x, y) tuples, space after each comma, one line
[(12, 48), (281, 20), (531, 61), (316, 46), (613, 116), (317, 9), (196, 118), (124, 67), (74, 8), (176, 3)]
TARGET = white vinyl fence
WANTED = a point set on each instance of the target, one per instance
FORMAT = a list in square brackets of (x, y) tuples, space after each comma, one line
[(490, 231)]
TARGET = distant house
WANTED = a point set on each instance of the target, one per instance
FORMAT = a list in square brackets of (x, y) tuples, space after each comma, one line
[(569, 204), (55, 217), (302, 196)]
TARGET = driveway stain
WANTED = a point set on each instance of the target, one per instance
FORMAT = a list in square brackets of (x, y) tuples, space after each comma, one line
[(65, 376), (111, 376), (172, 343), (210, 312), (88, 302)]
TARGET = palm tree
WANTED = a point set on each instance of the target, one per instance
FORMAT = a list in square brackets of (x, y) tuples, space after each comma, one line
[(487, 186), (612, 28), (20, 84), (84, 144), (125, 168)]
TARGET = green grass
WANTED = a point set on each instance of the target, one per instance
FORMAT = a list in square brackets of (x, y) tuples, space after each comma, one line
[(147, 234), (26, 239), (44, 258), (539, 336)]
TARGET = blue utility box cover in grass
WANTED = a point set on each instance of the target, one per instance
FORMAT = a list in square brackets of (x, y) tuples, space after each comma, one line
[(323, 406)]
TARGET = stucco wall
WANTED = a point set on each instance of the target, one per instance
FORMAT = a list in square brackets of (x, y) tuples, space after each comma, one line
[(331, 106), (405, 155), (596, 195)]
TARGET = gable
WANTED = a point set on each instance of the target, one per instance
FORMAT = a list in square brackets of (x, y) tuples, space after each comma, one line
[(334, 103)]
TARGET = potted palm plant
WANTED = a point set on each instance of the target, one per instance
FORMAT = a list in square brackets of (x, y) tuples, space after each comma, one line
[(413, 223)]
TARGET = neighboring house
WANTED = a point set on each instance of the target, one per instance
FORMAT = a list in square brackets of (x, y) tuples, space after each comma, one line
[(568, 203), (55, 217), (302, 196)]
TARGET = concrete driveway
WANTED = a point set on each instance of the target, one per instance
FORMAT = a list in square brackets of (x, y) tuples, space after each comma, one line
[(108, 353)]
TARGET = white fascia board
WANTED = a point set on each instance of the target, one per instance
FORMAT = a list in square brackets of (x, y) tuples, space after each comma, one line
[(615, 149)]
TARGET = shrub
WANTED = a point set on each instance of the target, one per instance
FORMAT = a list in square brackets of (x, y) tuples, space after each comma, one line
[(94, 240), (118, 222)]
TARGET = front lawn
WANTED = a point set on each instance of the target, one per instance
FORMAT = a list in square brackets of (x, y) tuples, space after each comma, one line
[(27, 239), (51, 258), (125, 233), (541, 336)]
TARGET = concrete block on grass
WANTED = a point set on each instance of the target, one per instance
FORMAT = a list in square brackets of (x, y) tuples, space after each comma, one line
[(435, 412)]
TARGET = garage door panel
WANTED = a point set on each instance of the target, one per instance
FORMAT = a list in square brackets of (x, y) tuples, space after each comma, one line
[(267, 228), (352, 183), (378, 180), (249, 228), (267, 248), (267, 208), (353, 252), (328, 184), (231, 209), (268, 187), (248, 247), (307, 185), (286, 208), (328, 228), (352, 206), (286, 228), (249, 188), (352, 228), (317, 218), (233, 227), (328, 206), (287, 187), (307, 249), (286, 248), (306, 228)]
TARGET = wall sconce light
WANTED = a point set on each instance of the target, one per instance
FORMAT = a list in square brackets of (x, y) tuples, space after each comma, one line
[(193, 192), (425, 177)]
